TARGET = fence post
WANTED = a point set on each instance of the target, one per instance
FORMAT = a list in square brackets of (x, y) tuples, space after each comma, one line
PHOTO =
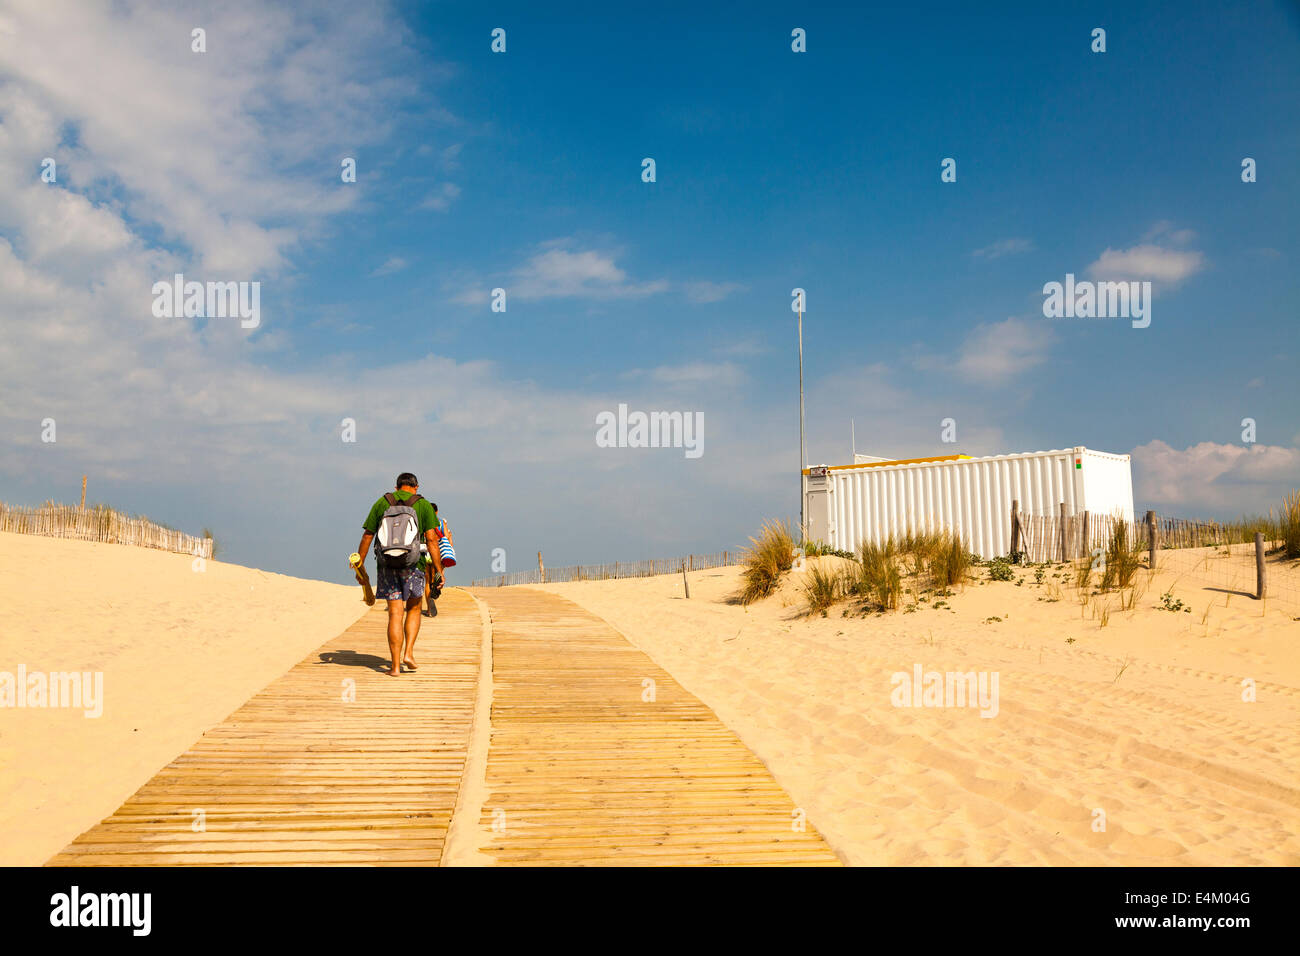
[(1259, 565), (541, 568), (1151, 540), (685, 583), (1015, 529), (1063, 556), (1086, 543), (83, 492)]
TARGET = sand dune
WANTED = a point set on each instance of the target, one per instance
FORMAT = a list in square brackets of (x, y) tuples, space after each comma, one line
[(1140, 724), (178, 651), (1141, 720)]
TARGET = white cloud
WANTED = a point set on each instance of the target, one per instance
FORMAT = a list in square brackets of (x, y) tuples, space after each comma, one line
[(705, 291), (558, 270), (189, 162), (1164, 229), (717, 374), (1210, 476), (196, 149), (181, 139), (441, 198), (471, 295), (1004, 247), (1166, 266), (743, 347), (393, 264), (996, 353), (192, 148), (563, 269)]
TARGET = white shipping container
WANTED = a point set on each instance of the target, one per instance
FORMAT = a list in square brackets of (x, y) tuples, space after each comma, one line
[(845, 505)]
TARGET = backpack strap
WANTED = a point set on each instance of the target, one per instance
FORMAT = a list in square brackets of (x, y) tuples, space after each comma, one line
[(391, 498)]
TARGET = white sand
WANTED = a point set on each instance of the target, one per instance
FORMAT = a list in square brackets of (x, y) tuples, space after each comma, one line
[(1142, 719), (179, 651)]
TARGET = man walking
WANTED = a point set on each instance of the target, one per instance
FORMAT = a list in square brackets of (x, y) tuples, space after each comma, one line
[(401, 521)]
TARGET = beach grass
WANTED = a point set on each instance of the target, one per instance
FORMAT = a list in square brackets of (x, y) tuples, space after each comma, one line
[(769, 556), (823, 586), (1123, 556), (949, 560), (878, 580), (1289, 525), (880, 571)]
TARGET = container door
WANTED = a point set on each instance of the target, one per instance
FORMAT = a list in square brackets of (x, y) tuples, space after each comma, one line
[(817, 509)]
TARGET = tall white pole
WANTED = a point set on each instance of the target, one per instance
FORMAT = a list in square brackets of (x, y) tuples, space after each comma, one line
[(803, 449)]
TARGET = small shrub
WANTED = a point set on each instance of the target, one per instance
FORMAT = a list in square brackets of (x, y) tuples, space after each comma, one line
[(817, 549), (1000, 570), (1170, 603)]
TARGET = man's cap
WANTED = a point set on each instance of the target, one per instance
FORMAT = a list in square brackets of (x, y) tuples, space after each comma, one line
[(406, 478)]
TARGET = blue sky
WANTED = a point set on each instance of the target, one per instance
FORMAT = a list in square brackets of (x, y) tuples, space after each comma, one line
[(522, 170)]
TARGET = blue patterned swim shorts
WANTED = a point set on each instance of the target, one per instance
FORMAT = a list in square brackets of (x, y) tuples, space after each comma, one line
[(399, 584)]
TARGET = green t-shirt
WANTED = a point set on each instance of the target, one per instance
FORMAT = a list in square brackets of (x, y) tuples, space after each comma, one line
[(424, 513)]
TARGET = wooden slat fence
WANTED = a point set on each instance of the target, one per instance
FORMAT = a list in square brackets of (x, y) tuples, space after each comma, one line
[(607, 572), (1219, 555), (99, 523), (1046, 538)]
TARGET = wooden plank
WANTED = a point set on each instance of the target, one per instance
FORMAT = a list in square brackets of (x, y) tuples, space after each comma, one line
[(587, 767), (300, 775), (584, 766)]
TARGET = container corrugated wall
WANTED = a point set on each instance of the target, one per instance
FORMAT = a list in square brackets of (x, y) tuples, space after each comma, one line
[(972, 496)]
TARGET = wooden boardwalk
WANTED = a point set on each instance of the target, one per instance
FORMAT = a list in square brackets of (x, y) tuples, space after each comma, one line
[(585, 768), (298, 775), (596, 756)]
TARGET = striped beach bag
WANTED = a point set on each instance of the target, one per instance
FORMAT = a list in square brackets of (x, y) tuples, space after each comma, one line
[(445, 548)]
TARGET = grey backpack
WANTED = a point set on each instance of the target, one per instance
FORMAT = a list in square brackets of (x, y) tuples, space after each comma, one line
[(398, 538)]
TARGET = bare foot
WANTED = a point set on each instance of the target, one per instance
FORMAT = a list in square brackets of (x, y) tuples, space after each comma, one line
[(395, 672), (407, 662)]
